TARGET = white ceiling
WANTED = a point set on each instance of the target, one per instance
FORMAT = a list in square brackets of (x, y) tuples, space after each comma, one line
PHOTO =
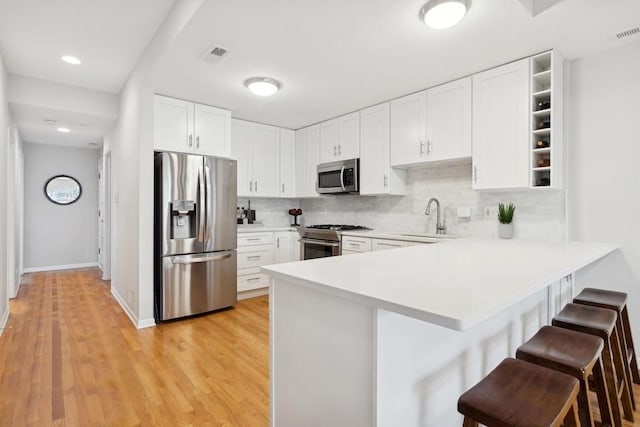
[(108, 36), (337, 56)]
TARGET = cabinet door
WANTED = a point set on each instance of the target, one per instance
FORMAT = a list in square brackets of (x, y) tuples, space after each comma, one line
[(349, 136), (173, 125), (284, 251), (212, 131), (374, 149), (408, 129), (240, 152), (312, 159), (265, 160), (329, 136), (501, 126), (383, 244), (449, 120), (287, 163), (301, 172)]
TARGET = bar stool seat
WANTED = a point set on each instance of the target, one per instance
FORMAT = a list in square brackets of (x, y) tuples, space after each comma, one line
[(576, 354), (601, 322), (518, 393), (615, 301)]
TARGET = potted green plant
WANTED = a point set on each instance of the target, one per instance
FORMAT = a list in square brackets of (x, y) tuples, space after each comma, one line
[(505, 220)]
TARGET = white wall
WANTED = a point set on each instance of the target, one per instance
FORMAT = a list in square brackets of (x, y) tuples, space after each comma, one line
[(4, 132), (57, 235), (539, 214), (604, 151)]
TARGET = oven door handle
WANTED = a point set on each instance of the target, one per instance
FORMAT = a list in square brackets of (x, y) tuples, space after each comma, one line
[(342, 179), (320, 242)]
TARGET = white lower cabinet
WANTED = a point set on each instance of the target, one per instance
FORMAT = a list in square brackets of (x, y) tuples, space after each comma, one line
[(262, 248), (358, 245)]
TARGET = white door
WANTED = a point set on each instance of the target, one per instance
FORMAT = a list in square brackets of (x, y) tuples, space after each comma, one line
[(173, 125), (312, 159), (501, 127), (240, 152), (212, 131), (408, 129), (265, 159), (287, 163), (284, 251), (449, 120), (374, 149), (349, 136), (106, 270), (329, 141), (301, 173)]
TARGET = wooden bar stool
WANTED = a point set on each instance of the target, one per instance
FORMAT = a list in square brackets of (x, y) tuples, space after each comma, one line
[(601, 322), (575, 354), (518, 393), (615, 301)]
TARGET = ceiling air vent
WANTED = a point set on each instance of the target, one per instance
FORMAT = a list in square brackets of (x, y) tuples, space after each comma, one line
[(628, 33), (215, 54)]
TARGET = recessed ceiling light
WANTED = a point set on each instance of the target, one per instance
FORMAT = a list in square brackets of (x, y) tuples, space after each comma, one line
[(263, 86), (69, 59), (64, 130), (439, 14)]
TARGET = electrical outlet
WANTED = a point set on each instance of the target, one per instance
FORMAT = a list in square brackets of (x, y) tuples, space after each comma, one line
[(490, 212)]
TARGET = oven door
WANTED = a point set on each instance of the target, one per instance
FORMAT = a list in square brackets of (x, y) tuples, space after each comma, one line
[(312, 248)]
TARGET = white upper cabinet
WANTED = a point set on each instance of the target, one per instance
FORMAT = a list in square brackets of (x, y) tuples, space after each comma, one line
[(307, 154), (287, 163), (340, 138), (256, 147), (408, 129), (449, 121), (376, 174), (186, 127), (501, 127)]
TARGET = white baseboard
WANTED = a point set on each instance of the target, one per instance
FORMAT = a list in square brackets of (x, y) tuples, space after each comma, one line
[(252, 294), (60, 267), (139, 324), (4, 319)]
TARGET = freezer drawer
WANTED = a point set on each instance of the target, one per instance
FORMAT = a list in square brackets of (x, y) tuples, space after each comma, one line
[(194, 284)]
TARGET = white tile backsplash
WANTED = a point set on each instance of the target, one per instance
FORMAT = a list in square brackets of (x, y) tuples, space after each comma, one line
[(272, 212)]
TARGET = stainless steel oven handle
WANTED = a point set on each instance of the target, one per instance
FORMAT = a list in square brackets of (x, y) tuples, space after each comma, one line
[(192, 260), (320, 242), (342, 178)]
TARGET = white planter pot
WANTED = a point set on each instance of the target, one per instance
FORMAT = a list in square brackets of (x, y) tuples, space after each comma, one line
[(505, 231)]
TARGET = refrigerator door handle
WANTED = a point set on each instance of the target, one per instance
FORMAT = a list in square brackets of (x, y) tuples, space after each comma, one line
[(209, 199), (202, 219), (190, 259)]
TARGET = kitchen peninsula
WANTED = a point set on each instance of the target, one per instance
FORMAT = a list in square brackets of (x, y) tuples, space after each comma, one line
[(394, 337)]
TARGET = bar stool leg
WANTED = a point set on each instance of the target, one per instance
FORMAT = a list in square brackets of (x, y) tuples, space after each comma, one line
[(571, 420), (625, 360), (619, 361), (611, 382), (601, 390), (629, 339), (468, 422)]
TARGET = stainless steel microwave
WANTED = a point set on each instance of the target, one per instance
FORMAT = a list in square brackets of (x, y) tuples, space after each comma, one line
[(339, 177)]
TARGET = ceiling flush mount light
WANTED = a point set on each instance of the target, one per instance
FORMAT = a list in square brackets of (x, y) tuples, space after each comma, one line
[(64, 130), (439, 14), (263, 86), (71, 60)]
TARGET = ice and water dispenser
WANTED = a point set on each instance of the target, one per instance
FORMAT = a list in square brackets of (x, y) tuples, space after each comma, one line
[(183, 219)]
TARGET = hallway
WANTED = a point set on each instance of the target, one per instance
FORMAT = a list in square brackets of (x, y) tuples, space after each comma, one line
[(71, 356)]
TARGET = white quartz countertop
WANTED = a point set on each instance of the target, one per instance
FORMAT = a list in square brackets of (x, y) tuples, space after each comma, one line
[(403, 236), (456, 284), (257, 228)]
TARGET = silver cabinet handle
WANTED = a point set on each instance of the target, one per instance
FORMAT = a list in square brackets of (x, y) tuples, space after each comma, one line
[(253, 279), (335, 150), (253, 257), (339, 149), (428, 147), (254, 239), (283, 188), (255, 187), (475, 174), (198, 141), (421, 148), (190, 141), (250, 186), (190, 259), (386, 180), (278, 243)]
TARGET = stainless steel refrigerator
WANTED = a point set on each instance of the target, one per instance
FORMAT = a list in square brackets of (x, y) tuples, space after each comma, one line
[(195, 234)]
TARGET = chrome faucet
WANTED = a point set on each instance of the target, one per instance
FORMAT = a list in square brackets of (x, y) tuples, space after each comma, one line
[(440, 227)]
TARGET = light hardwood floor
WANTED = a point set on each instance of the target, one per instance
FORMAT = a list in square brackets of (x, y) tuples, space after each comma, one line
[(70, 356)]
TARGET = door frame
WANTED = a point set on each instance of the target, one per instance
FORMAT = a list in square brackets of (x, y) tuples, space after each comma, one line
[(106, 218)]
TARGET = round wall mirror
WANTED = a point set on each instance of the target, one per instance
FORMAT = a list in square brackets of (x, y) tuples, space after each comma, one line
[(63, 189)]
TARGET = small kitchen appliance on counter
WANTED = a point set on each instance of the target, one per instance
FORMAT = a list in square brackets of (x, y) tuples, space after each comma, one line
[(319, 241)]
